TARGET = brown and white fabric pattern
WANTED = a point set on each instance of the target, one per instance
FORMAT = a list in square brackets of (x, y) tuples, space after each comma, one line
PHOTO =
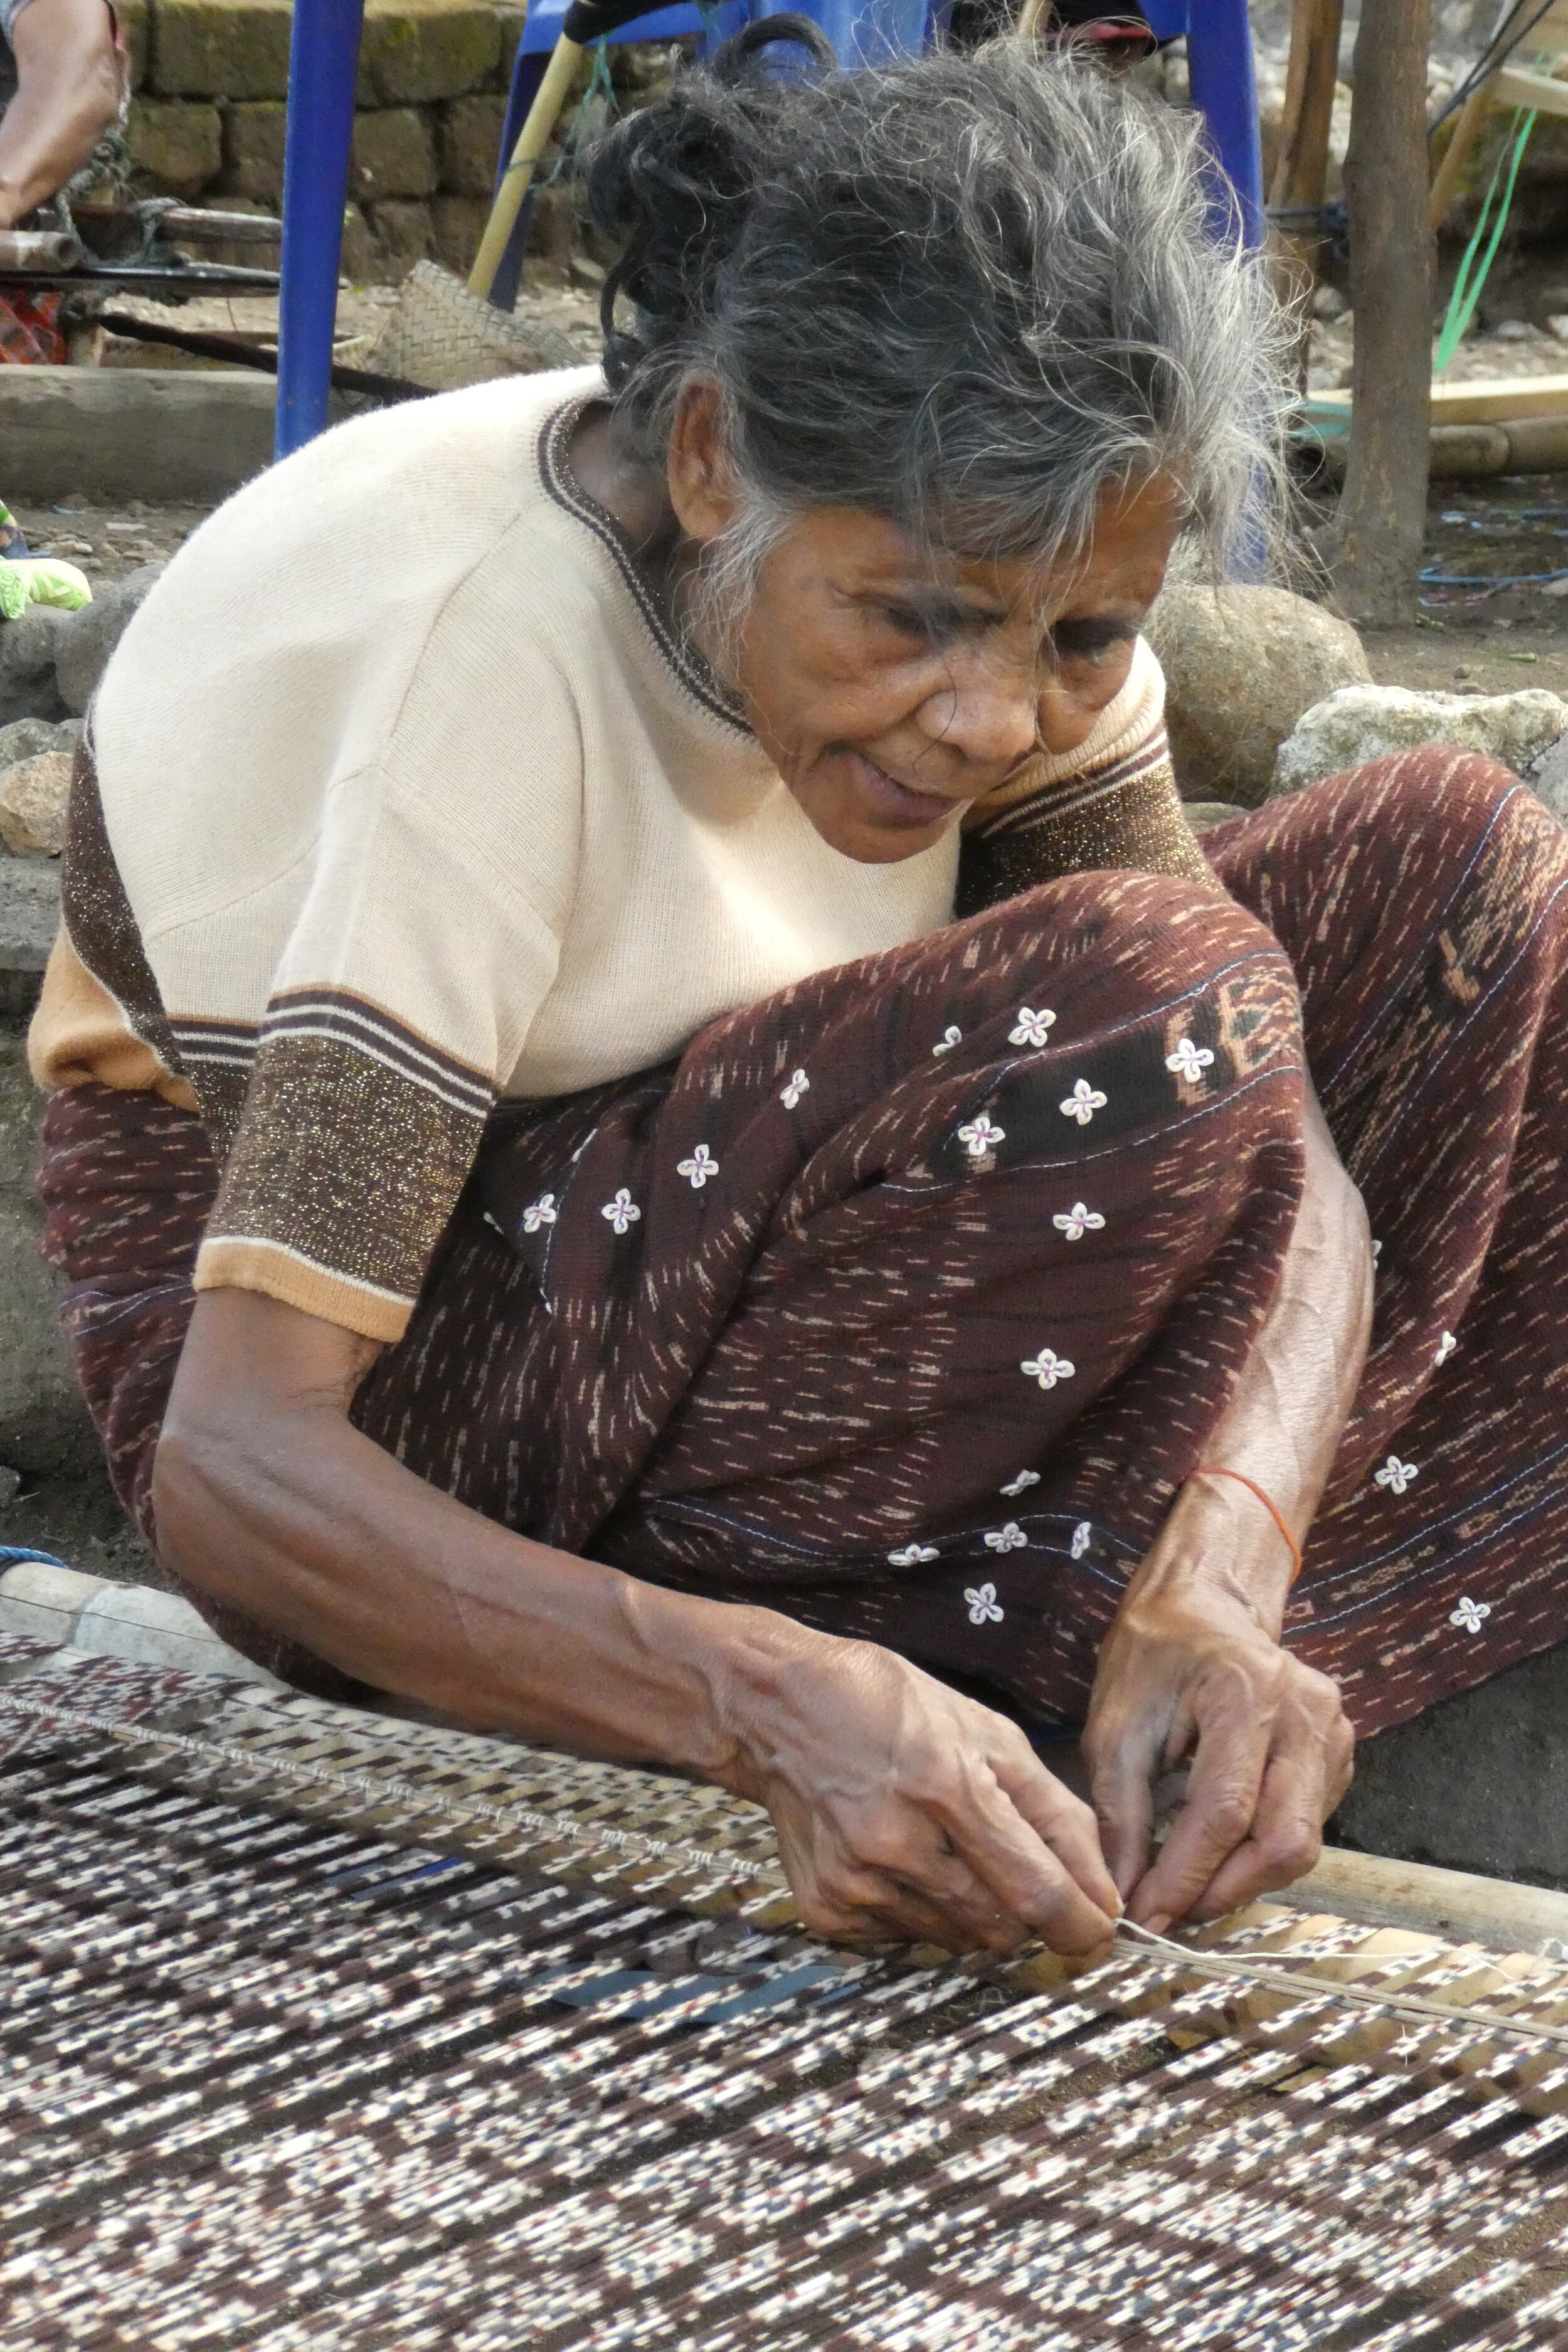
[(906, 1298)]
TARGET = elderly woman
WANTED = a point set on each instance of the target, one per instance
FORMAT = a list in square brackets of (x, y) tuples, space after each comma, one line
[(570, 1220)]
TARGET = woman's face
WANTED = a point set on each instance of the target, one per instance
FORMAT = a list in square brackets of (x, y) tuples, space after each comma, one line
[(889, 690)]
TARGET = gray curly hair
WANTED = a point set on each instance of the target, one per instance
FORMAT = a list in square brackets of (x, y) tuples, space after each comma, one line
[(974, 293)]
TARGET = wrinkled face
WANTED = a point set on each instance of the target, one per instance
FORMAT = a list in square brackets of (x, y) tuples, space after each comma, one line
[(891, 690)]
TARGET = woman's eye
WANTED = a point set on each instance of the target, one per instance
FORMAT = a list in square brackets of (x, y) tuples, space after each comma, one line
[(1088, 644), (906, 621)]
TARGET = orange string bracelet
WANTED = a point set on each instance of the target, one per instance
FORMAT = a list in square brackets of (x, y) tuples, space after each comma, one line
[(1215, 1470)]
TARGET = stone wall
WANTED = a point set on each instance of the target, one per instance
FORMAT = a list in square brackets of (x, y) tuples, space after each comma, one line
[(209, 81)]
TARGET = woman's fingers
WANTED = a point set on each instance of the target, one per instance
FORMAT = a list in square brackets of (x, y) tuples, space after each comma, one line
[(1222, 1803), (961, 1866), (1034, 1845), (929, 1896), (1121, 1780), (1302, 1783), (903, 1807), (1263, 1781), (1062, 1823)]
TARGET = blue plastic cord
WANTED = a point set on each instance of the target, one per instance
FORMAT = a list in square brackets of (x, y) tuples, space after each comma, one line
[(11, 1555)]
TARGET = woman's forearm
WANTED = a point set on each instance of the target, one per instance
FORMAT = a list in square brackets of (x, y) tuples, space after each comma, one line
[(1284, 1422), (903, 1808), (268, 1499)]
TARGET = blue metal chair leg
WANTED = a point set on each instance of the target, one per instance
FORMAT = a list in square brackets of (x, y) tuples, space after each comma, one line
[(324, 65), (1219, 59)]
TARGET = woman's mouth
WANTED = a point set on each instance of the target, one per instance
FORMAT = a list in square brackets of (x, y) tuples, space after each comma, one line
[(905, 807)]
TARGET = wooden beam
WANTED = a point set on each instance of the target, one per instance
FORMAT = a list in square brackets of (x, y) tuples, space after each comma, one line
[(1480, 400), (1300, 173), (1376, 546), (1300, 176), (1453, 1904)]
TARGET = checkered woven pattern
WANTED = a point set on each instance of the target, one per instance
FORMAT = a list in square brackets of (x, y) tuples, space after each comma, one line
[(323, 2030)]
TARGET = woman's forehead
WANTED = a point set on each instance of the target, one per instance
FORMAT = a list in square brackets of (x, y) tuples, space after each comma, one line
[(1123, 561)]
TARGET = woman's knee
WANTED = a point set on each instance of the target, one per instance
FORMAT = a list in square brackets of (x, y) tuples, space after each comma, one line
[(1437, 801), (1146, 937)]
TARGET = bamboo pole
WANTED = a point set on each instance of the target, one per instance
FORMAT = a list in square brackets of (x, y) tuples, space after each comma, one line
[(532, 142), (1378, 534), (1463, 138)]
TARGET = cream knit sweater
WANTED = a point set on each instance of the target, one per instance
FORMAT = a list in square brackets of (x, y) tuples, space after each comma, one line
[(407, 799)]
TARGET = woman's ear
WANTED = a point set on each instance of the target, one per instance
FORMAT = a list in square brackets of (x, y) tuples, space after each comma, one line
[(701, 487)]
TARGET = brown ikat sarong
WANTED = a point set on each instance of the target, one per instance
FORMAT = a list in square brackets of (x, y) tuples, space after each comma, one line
[(905, 1299)]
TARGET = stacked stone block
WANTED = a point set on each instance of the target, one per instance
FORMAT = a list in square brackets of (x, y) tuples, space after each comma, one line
[(210, 78)]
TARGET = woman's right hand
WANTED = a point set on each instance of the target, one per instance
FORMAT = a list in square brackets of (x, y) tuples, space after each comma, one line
[(903, 1810), (907, 1812)]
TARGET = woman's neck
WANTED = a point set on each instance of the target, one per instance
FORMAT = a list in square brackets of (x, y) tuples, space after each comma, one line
[(636, 495), (632, 493)]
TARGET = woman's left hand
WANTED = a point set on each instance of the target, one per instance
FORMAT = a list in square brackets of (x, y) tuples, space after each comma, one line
[(1190, 1675)]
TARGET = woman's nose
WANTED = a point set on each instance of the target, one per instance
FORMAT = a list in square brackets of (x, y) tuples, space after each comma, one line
[(984, 711)]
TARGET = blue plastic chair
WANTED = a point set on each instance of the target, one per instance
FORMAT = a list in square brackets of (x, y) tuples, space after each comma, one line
[(323, 62)]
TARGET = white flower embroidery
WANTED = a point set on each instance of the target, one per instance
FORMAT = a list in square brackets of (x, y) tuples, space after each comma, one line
[(913, 1555), (622, 1211), (980, 1135), (984, 1607), (1008, 1538), (1032, 1026), (799, 1085), (1048, 1368), (1082, 1103), (1394, 1474), (539, 1213), (950, 1038), (1077, 1221), (1470, 1614), (1082, 1537), (1024, 1478), (1446, 1347), (1189, 1060), (699, 1167), (1376, 1251)]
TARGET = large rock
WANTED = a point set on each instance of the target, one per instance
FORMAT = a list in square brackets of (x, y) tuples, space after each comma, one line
[(44, 1429), (29, 918), (173, 435), (91, 636), (1476, 1783), (1241, 666), (1366, 722), (33, 795), (29, 686), (23, 738), (1548, 776)]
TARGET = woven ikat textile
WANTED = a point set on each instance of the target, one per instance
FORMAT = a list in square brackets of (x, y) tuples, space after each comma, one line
[(330, 2033)]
